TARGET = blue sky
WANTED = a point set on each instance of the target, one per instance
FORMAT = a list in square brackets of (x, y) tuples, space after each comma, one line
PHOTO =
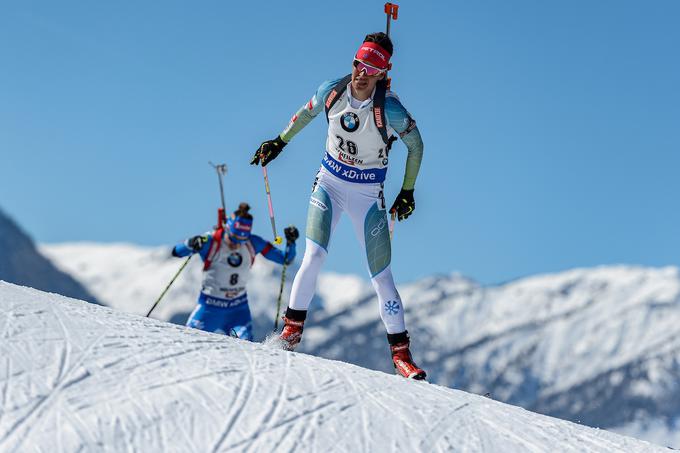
[(551, 129)]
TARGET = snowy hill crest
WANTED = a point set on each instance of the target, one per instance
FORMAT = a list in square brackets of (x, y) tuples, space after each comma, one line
[(81, 377), (598, 346)]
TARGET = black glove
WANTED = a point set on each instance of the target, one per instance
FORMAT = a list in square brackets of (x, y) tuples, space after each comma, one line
[(196, 243), (291, 234), (404, 205), (268, 151)]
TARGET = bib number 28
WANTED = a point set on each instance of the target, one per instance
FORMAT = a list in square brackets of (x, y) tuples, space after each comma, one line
[(351, 146)]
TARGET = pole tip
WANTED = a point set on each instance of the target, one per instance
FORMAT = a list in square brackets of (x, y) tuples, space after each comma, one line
[(278, 240)]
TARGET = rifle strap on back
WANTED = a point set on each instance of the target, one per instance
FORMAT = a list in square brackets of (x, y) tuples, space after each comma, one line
[(337, 92), (379, 112), (214, 248)]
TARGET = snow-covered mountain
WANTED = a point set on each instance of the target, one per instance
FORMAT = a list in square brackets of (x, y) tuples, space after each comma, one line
[(21, 263), (79, 377), (598, 346)]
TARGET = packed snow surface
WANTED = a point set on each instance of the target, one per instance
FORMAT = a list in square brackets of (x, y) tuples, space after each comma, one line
[(599, 346), (79, 377)]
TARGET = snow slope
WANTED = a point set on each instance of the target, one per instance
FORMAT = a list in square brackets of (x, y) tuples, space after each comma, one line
[(75, 376), (599, 346)]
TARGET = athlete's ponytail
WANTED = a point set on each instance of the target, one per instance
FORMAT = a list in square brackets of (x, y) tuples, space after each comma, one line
[(242, 211)]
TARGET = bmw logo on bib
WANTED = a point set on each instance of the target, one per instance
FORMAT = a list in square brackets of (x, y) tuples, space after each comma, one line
[(349, 122), (235, 259)]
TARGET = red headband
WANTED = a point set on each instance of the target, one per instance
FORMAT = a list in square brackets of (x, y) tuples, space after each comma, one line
[(374, 55)]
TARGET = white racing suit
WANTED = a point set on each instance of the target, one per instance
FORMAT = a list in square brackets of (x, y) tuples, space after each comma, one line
[(351, 180), (365, 205)]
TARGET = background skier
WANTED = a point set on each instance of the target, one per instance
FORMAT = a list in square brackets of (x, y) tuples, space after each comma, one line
[(228, 254), (363, 121)]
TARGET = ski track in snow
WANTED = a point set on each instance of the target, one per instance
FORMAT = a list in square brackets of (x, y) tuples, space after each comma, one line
[(554, 343), (78, 377)]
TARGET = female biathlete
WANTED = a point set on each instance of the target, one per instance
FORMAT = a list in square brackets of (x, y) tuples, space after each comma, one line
[(364, 118), (228, 254)]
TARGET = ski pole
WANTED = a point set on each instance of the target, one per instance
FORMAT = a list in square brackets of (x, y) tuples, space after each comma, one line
[(277, 239), (392, 12), (221, 170), (170, 284), (283, 283)]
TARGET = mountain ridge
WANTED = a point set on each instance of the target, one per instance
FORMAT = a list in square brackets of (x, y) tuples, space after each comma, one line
[(22, 263)]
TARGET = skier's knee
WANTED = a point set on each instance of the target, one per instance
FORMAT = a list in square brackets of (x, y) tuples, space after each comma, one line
[(384, 281), (315, 254)]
